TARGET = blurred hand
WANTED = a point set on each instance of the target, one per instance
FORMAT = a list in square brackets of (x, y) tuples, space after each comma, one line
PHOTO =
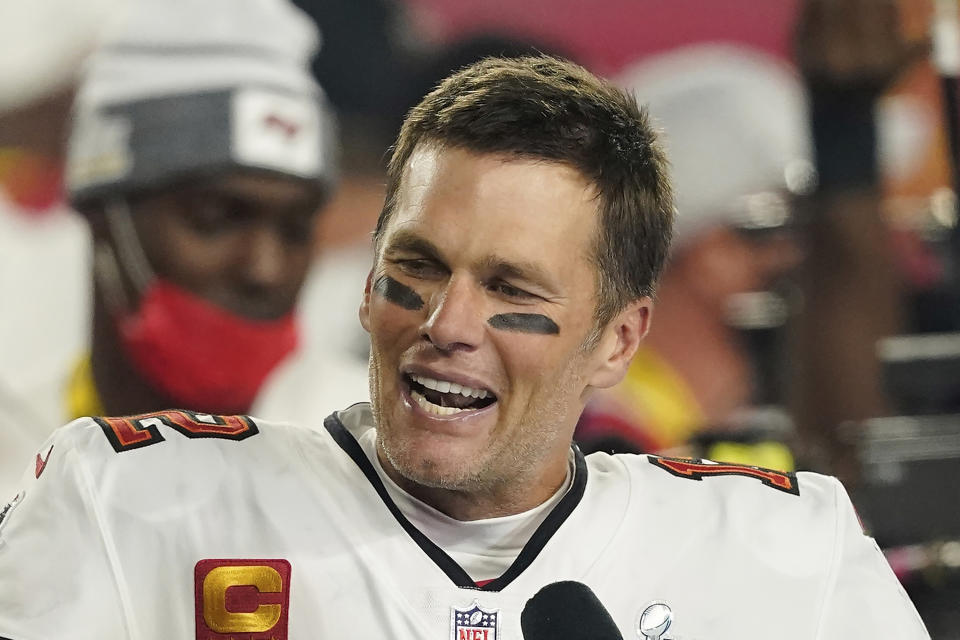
[(856, 44)]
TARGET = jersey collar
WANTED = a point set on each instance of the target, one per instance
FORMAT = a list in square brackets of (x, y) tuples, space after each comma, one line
[(444, 562)]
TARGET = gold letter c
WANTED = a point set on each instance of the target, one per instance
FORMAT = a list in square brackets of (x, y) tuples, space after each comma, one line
[(215, 585)]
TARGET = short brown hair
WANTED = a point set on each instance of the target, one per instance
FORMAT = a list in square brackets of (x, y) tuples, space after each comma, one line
[(548, 108)]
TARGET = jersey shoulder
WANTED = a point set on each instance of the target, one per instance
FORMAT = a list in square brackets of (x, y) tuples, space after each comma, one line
[(758, 522), (172, 432), (177, 452), (723, 478), (803, 505)]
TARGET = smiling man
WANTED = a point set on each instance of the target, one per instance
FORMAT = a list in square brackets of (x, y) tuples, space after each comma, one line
[(528, 215), (485, 342), (509, 279)]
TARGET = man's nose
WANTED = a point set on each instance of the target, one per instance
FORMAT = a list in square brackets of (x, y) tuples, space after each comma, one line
[(263, 258), (456, 320)]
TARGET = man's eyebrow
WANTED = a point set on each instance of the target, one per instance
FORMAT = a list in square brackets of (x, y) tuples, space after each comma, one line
[(405, 241), (250, 195)]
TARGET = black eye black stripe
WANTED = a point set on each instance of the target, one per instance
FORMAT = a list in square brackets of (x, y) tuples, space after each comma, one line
[(398, 293), (526, 322), (403, 296)]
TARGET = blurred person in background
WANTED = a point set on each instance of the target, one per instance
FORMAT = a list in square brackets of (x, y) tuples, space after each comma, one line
[(201, 153), (44, 246), (748, 135), (734, 124)]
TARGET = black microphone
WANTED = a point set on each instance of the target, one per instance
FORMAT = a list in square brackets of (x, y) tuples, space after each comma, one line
[(568, 610)]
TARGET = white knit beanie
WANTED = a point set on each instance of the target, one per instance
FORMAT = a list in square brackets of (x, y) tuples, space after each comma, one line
[(734, 124), (192, 86)]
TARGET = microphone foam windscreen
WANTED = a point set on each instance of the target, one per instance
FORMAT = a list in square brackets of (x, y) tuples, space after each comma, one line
[(568, 610)]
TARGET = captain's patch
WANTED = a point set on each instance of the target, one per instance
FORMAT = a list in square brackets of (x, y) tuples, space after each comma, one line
[(242, 599)]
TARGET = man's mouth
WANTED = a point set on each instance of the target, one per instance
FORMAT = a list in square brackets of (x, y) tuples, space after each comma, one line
[(445, 398)]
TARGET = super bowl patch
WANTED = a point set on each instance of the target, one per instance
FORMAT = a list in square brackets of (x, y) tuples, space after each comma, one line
[(474, 623)]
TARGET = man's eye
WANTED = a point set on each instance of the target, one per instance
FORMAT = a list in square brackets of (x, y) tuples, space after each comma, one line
[(511, 291), (299, 230), (216, 215), (420, 268)]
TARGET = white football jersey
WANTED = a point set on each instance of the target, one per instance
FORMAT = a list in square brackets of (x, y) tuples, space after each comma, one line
[(183, 525)]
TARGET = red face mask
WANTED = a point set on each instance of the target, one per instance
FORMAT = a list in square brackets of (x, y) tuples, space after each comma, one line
[(199, 354)]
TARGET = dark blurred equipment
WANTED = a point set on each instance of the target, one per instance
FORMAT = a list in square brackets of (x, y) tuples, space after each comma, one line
[(922, 373), (909, 461), (567, 610), (933, 582), (908, 497), (908, 494)]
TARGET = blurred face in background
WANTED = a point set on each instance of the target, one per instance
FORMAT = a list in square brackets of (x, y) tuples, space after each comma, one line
[(723, 262), (200, 283), (243, 241)]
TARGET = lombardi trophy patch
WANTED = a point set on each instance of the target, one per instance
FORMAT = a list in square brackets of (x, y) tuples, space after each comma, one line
[(654, 621), (474, 623)]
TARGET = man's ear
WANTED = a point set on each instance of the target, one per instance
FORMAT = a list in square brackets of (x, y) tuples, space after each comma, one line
[(619, 342), (365, 303)]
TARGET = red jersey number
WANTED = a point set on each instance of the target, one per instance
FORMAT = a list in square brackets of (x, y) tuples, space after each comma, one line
[(698, 470), (133, 432)]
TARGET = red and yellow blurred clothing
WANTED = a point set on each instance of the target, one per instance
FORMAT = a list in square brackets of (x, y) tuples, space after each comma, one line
[(653, 410), (82, 397), (33, 182), (652, 407)]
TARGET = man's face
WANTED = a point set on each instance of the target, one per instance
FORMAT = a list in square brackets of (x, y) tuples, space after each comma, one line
[(723, 263), (478, 307), (243, 241)]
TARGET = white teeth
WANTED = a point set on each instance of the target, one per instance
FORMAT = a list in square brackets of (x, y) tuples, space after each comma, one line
[(444, 386), (435, 409)]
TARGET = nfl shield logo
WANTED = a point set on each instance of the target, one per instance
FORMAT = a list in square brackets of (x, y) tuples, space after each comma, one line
[(474, 623)]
